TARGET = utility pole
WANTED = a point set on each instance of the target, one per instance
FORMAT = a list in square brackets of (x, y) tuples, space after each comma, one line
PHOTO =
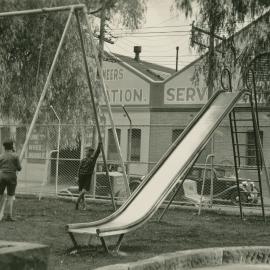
[(176, 66), (211, 64), (211, 49), (102, 32), (211, 56)]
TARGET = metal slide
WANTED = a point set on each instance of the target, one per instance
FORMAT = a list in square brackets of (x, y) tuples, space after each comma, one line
[(156, 186)]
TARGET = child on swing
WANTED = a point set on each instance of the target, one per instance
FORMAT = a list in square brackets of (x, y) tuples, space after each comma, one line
[(85, 172), (9, 165)]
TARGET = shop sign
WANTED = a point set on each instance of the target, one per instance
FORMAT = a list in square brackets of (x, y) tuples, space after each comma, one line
[(125, 87), (185, 95), (37, 146), (113, 74), (128, 96)]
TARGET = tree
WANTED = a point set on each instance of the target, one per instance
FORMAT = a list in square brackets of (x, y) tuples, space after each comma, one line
[(24, 69), (27, 47), (129, 13), (20, 60), (222, 17)]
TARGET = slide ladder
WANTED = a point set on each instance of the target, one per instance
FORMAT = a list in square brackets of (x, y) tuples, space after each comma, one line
[(246, 152)]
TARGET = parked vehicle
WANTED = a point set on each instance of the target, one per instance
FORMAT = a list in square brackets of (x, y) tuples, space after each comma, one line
[(102, 189), (224, 188)]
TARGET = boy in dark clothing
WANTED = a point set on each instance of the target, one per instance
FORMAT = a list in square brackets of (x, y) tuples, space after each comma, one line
[(9, 165), (85, 172)]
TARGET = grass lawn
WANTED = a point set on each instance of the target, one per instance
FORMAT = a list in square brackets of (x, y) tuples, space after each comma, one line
[(44, 221)]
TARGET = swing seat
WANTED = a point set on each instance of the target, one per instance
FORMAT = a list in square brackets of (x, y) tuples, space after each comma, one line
[(190, 192)]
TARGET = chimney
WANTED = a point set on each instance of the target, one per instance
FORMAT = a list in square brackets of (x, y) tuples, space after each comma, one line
[(137, 50)]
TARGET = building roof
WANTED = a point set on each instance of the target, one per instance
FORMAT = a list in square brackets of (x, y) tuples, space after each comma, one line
[(153, 71)]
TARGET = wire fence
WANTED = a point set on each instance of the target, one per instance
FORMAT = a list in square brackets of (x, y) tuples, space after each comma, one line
[(54, 152)]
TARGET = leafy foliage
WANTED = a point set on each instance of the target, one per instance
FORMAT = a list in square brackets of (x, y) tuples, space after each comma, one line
[(27, 48), (221, 18), (130, 13), (28, 45)]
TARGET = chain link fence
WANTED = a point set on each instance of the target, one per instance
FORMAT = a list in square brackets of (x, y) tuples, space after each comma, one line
[(54, 152)]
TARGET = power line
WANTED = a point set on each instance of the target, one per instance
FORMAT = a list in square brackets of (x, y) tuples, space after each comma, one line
[(183, 55), (159, 27), (154, 36), (141, 40), (154, 27), (155, 32), (161, 32), (130, 44), (169, 61)]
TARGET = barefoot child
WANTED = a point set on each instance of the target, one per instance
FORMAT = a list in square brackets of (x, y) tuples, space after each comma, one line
[(85, 172)]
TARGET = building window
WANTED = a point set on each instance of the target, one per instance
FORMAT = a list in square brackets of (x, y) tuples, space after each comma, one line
[(20, 137), (251, 150), (5, 133), (135, 147), (176, 133), (112, 149)]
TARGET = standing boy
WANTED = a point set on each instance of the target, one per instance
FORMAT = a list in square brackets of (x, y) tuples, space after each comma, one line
[(9, 165), (85, 172)]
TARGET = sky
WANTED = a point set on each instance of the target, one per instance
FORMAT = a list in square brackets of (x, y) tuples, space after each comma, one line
[(158, 37)]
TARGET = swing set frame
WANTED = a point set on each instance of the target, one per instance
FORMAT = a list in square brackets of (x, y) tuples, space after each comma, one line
[(78, 10)]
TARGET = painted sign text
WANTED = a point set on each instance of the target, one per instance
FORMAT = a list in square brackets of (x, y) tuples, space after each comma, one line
[(183, 95), (127, 96)]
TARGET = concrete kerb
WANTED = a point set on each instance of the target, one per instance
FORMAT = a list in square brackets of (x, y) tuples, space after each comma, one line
[(190, 259), (22, 255)]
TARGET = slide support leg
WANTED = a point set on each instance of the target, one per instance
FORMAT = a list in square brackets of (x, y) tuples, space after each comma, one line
[(104, 244), (118, 244), (73, 240), (170, 202)]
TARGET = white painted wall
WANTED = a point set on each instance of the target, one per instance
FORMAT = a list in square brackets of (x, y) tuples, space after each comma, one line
[(125, 87), (182, 89)]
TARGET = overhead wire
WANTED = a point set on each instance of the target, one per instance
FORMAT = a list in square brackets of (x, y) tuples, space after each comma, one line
[(168, 64), (164, 35), (156, 32), (183, 55), (141, 39), (154, 27), (125, 38), (146, 50), (129, 43), (148, 33), (172, 26)]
